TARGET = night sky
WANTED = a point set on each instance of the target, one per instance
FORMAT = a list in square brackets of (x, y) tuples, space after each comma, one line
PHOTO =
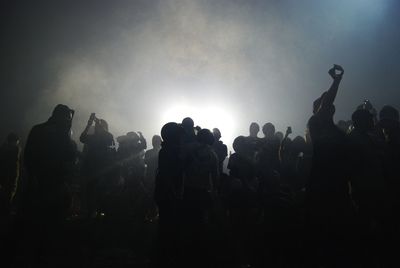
[(138, 64)]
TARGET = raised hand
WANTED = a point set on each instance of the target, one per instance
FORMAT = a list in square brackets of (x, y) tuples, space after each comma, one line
[(336, 72), (91, 119), (288, 131)]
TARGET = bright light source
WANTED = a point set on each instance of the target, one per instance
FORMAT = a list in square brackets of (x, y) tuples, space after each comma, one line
[(206, 116)]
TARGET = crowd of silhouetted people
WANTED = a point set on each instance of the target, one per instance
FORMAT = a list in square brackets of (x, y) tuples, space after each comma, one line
[(328, 199)]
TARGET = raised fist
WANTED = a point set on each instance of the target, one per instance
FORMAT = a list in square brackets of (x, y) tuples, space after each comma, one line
[(336, 72)]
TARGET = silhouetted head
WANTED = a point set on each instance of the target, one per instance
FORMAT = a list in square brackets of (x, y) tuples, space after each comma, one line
[(268, 130), (389, 113), (342, 125), (172, 133), (101, 125), (62, 116), (298, 144), (279, 135), (62, 112), (389, 120), (239, 144), (156, 141), (12, 139), (254, 129), (188, 123), (132, 135), (205, 137), (217, 134), (362, 120)]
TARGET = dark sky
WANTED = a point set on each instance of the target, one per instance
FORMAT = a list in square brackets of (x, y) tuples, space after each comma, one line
[(140, 63)]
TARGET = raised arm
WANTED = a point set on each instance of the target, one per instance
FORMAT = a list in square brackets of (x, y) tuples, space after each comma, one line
[(143, 143), (84, 135), (283, 144), (328, 97)]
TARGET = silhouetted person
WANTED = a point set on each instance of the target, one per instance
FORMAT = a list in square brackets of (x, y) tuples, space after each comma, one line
[(270, 147), (329, 207), (367, 183), (9, 172), (131, 146), (279, 136), (253, 142), (242, 198), (98, 156), (49, 157), (201, 175), (168, 194), (367, 105), (151, 159), (188, 126), (220, 149), (9, 177), (131, 152), (390, 126)]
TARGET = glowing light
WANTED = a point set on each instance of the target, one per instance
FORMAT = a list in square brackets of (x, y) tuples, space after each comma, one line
[(205, 116)]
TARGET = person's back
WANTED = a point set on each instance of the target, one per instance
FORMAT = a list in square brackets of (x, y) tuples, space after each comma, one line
[(329, 169), (49, 152), (168, 193), (200, 167), (49, 158), (329, 210), (366, 159), (169, 176), (98, 151), (151, 159), (220, 149), (390, 124)]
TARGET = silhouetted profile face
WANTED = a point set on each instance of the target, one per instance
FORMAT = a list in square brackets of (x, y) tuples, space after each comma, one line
[(205, 137), (254, 129), (156, 141), (217, 134), (363, 120), (269, 130), (172, 133)]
